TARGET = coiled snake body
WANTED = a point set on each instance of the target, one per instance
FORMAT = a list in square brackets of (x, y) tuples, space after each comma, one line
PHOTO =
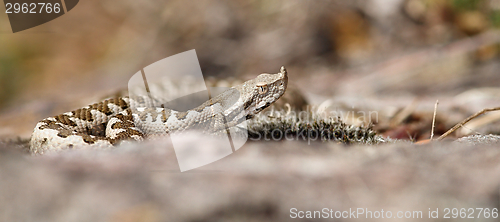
[(111, 121)]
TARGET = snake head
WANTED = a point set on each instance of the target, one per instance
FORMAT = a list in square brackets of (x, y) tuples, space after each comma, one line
[(259, 93)]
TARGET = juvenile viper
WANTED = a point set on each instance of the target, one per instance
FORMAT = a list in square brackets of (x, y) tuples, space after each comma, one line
[(114, 120)]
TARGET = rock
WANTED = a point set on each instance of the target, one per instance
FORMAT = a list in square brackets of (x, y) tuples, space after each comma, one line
[(262, 181)]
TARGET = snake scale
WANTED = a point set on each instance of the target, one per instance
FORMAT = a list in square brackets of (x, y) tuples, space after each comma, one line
[(112, 121)]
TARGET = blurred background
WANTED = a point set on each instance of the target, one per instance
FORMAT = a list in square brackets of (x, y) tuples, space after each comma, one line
[(394, 58), (384, 55)]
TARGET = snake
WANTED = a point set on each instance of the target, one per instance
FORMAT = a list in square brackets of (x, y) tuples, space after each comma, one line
[(134, 118)]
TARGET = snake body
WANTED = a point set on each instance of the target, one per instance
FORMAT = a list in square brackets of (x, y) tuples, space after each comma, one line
[(112, 121)]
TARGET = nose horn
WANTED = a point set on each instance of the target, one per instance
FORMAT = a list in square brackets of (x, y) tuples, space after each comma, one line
[(283, 70)]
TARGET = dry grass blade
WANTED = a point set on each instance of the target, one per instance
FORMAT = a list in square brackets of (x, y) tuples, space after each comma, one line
[(467, 120), (403, 114), (434, 119)]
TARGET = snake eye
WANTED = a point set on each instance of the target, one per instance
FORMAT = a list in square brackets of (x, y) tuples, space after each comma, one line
[(262, 88)]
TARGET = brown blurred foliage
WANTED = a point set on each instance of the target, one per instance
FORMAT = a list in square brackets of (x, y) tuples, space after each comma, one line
[(330, 47)]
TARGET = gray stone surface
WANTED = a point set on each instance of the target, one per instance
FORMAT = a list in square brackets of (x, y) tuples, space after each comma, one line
[(259, 182)]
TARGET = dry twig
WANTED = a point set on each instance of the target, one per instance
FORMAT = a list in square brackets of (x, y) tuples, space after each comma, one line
[(467, 120), (434, 119)]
